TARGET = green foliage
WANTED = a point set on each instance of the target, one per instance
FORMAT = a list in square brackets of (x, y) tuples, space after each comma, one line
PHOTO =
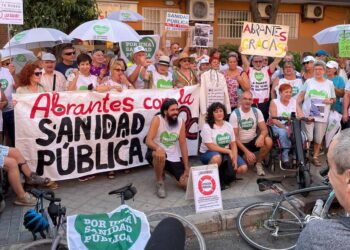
[(64, 15), (297, 60), (227, 48)]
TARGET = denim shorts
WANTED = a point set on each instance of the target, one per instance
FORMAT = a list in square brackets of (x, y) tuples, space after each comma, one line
[(206, 157), (4, 151)]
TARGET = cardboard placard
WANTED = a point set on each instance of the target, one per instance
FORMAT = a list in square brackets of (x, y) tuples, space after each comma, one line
[(204, 187), (149, 42), (344, 44), (11, 12), (177, 21), (264, 39), (215, 94)]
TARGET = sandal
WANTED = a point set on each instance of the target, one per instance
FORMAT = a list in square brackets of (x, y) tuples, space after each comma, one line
[(36, 180), (111, 175), (316, 162)]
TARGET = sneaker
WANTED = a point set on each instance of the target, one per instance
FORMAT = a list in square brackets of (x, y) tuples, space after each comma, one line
[(259, 169), (26, 200), (161, 189)]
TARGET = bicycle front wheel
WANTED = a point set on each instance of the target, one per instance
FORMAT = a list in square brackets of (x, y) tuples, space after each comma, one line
[(265, 226)]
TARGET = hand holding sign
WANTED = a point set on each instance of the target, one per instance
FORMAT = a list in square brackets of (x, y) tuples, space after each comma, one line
[(264, 39)]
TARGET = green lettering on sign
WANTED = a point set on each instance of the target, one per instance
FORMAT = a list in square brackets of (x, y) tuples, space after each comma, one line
[(148, 43)]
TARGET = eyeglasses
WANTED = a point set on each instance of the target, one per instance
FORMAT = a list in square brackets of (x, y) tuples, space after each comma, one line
[(69, 53), (39, 73)]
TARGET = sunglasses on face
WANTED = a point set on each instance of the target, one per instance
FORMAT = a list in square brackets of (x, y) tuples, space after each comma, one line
[(119, 70), (307, 62), (185, 60), (258, 61), (39, 73), (69, 53)]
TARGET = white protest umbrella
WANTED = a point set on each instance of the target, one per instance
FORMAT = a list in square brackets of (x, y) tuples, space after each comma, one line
[(38, 38), (105, 30), (125, 16), (331, 34), (19, 57)]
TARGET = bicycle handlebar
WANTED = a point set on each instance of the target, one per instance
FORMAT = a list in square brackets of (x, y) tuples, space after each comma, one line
[(47, 195)]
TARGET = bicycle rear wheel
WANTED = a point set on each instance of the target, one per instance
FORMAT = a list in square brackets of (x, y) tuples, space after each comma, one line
[(264, 226)]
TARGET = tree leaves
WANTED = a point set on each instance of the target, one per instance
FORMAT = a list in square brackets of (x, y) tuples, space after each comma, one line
[(64, 15)]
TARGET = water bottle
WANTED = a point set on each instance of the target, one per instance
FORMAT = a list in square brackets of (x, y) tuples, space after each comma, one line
[(317, 208)]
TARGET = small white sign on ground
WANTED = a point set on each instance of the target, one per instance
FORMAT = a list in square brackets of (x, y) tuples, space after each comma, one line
[(204, 187), (11, 12)]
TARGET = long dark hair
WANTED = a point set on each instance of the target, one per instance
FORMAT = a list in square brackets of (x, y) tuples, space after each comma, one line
[(166, 104), (210, 112)]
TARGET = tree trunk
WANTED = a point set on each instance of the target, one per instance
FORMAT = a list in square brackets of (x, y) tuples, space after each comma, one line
[(274, 10), (255, 12)]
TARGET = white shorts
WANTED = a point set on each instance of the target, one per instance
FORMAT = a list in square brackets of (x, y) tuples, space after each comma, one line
[(315, 131)]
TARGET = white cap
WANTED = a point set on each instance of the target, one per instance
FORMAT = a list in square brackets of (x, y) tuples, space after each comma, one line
[(309, 59), (204, 60), (332, 65), (138, 49), (48, 57)]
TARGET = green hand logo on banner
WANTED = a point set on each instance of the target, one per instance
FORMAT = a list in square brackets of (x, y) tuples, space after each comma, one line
[(18, 37), (99, 231), (246, 124), (163, 84), (223, 140), (101, 29), (147, 42), (259, 76), (4, 83), (168, 139)]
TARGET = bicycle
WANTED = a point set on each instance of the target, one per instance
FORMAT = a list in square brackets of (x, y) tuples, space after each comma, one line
[(277, 225), (299, 151), (52, 221)]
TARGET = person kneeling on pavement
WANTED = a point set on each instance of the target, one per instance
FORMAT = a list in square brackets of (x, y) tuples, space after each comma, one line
[(251, 132), (13, 163), (166, 130), (219, 146)]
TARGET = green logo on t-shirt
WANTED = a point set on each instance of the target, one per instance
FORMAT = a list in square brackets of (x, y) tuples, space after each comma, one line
[(4, 83), (259, 76), (168, 139), (163, 84), (246, 124), (285, 114), (315, 92), (295, 90), (223, 140)]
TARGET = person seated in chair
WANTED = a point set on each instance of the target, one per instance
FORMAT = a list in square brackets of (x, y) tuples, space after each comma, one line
[(251, 132), (283, 107), (219, 145), (166, 130), (13, 163)]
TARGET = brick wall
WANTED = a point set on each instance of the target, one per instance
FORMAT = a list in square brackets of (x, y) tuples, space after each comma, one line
[(3, 35)]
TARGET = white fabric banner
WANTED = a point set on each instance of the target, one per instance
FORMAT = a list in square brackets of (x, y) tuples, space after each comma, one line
[(124, 228), (66, 135)]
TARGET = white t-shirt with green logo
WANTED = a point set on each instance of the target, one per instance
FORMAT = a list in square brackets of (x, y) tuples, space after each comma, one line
[(315, 93), (221, 136), (7, 83), (259, 82), (285, 111), (83, 82), (162, 81), (296, 84), (247, 126), (167, 137)]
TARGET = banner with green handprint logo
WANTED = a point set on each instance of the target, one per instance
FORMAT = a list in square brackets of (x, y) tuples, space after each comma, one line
[(124, 228), (149, 42)]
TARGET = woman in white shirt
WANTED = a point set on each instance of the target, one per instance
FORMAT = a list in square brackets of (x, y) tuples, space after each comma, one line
[(315, 100), (82, 79), (283, 106), (219, 145), (117, 79)]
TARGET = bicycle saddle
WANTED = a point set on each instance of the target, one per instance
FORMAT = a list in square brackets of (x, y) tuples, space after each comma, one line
[(128, 191)]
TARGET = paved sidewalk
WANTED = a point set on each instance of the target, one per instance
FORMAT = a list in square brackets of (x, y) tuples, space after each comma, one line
[(92, 197)]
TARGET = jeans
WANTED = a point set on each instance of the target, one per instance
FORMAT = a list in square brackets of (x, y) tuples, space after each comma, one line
[(284, 140)]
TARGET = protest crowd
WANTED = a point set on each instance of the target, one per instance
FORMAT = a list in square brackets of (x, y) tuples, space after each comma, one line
[(238, 98)]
